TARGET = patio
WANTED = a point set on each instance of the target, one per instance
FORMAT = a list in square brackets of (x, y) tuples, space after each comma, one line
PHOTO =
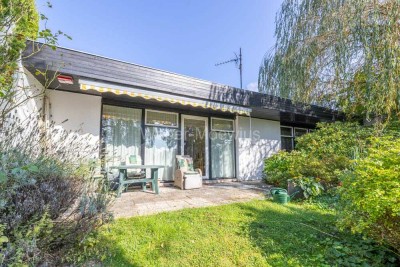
[(137, 203)]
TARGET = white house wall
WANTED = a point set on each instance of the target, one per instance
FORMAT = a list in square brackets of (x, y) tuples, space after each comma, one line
[(76, 113), (256, 140), (28, 97), (24, 111)]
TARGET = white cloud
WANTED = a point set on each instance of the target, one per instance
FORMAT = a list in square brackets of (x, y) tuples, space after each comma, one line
[(252, 86)]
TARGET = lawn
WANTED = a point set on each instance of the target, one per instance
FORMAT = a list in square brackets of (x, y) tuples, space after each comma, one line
[(256, 233)]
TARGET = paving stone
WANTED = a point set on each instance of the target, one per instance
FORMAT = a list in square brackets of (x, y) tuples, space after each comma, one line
[(138, 203)]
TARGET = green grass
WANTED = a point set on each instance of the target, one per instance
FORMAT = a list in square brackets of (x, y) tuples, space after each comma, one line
[(256, 233)]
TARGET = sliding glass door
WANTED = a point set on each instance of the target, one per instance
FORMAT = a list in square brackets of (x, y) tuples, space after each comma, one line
[(195, 141), (222, 148)]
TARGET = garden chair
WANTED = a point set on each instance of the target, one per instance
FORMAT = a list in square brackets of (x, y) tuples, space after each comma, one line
[(136, 173), (134, 160), (185, 176)]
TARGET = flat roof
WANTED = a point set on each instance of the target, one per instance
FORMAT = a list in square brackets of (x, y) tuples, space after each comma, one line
[(99, 68)]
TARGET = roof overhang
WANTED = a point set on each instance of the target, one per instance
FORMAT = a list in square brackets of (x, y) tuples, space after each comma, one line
[(102, 87)]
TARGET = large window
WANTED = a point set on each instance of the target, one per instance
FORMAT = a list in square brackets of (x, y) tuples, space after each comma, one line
[(121, 134), (161, 141), (289, 135), (222, 148)]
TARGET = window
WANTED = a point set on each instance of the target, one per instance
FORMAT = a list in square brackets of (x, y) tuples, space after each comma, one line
[(287, 139), (221, 125), (289, 135), (161, 143), (121, 134), (299, 132), (160, 118), (222, 148)]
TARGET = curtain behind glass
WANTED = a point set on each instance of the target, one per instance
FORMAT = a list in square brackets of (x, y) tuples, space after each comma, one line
[(121, 134), (154, 117), (161, 149), (222, 155)]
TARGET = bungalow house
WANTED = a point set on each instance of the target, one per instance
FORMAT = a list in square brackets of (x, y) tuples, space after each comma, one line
[(156, 115)]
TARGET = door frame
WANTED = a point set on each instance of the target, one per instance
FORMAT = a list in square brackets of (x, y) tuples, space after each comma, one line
[(200, 118)]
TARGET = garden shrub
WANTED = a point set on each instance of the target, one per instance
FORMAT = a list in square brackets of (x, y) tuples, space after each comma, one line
[(370, 195), (356, 250), (308, 186), (49, 199), (278, 168), (322, 155)]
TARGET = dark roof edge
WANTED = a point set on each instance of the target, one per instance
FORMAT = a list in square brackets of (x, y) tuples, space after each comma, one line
[(142, 66), (298, 105)]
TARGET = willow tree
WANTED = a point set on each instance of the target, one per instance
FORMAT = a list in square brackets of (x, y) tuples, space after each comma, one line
[(337, 53)]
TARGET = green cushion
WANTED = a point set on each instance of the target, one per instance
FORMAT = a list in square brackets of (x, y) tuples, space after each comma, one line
[(182, 163), (185, 163), (133, 159)]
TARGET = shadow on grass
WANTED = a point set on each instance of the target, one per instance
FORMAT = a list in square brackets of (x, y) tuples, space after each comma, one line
[(255, 230), (255, 233), (299, 235), (288, 235)]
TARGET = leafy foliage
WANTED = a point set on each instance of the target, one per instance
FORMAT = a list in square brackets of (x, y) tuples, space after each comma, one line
[(309, 186), (338, 54), (19, 21), (49, 199), (279, 168), (356, 250), (321, 155), (371, 193)]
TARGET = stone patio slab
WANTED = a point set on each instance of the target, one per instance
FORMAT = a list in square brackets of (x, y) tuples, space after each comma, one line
[(138, 203)]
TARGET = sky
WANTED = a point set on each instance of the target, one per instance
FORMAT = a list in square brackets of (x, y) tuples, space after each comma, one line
[(183, 36)]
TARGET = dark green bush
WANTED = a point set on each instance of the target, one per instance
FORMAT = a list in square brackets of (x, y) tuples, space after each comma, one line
[(356, 250), (49, 198), (279, 168), (322, 155), (370, 195), (309, 187)]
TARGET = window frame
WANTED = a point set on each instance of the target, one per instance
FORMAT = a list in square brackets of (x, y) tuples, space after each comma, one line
[(288, 136), (295, 128), (158, 125), (223, 119), (291, 131), (233, 136)]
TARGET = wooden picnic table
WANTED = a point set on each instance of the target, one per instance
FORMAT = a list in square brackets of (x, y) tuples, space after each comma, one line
[(123, 175)]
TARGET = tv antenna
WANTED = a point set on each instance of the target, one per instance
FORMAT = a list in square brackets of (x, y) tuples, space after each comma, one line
[(238, 62)]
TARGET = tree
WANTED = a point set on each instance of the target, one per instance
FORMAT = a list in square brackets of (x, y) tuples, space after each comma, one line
[(19, 21), (50, 199), (337, 53)]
